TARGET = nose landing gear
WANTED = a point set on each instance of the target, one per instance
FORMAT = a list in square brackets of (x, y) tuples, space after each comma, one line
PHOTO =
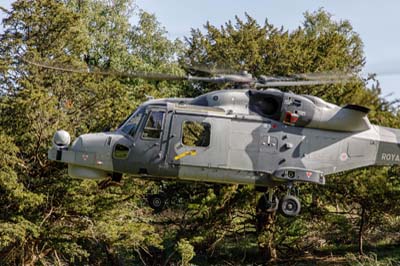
[(157, 201)]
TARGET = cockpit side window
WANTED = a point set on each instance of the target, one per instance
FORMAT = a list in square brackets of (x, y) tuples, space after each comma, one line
[(154, 124), (130, 127)]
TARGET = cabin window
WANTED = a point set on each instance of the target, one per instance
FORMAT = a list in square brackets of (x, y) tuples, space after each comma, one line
[(153, 127), (120, 151), (196, 134)]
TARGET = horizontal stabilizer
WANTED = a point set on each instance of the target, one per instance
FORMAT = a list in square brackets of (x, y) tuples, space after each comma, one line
[(359, 108)]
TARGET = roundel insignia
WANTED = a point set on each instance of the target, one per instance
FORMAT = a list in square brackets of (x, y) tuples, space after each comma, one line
[(344, 157)]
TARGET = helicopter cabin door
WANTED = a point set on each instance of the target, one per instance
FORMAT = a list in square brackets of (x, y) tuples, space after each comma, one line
[(148, 147), (195, 141)]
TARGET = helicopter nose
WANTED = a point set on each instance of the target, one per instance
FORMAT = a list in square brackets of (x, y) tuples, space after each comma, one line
[(96, 144), (97, 147), (93, 155), (89, 156)]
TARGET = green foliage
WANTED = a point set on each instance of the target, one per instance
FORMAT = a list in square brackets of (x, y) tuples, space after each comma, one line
[(185, 251), (370, 260), (49, 218), (196, 134), (13, 194)]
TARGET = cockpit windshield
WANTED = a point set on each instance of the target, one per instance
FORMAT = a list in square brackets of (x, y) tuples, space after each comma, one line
[(130, 126)]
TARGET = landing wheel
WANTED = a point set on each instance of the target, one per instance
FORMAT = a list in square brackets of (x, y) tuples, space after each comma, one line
[(116, 177), (290, 206), (157, 202), (268, 202)]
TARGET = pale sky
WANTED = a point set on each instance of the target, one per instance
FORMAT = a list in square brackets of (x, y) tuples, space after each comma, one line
[(377, 22)]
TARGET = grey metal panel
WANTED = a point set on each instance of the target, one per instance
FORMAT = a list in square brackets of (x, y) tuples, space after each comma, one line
[(253, 146), (321, 151), (241, 160), (269, 150), (214, 155), (220, 139), (358, 147), (194, 173), (321, 148), (244, 147), (240, 141), (344, 151)]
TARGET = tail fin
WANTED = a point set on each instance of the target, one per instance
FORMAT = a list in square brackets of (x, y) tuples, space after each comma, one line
[(389, 146)]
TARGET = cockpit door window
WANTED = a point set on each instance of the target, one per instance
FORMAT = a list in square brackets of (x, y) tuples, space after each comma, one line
[(154, 125)]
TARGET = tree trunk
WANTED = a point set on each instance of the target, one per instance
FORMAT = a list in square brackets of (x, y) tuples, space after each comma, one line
[(112, 257), (361, 232), (32, 258), (265, 231)]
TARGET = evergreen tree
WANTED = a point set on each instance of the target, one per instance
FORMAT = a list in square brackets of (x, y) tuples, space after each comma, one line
[(53, 218), (319, 45)]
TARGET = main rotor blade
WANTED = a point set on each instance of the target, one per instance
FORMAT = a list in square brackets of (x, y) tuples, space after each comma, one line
[(323, 76), (309, 76), (378, 74), (296, 83), (224, 79), (311, 79), (148, 76), (212, 70)]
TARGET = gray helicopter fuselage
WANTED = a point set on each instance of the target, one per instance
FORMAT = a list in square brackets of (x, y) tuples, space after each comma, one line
[(235, 136)]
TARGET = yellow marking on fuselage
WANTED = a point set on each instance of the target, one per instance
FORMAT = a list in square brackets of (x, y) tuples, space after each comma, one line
[(184, 154)]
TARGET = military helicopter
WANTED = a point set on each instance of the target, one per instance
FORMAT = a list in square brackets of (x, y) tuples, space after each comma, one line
[(251, 133)]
